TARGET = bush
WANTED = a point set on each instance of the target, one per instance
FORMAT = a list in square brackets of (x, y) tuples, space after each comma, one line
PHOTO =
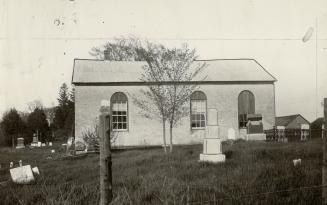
[(92, 139)]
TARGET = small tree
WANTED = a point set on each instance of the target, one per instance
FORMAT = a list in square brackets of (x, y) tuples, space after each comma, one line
[(155, 106), (37, 122), (12, 126), (63, 121), (63, 98), (172, 69), (168, 71), (157, 101)]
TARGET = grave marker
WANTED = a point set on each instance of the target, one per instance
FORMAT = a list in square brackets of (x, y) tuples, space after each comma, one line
[(212, 143), (22, 175), (20, 143), (231, 134)]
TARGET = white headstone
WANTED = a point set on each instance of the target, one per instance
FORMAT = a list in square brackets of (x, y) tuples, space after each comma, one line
[(231, 134), (70, 142), (39, 144), (211, 142), (212, 146), (36, 171), (20, 143), (22, 175), (50, 144), (20, 163)]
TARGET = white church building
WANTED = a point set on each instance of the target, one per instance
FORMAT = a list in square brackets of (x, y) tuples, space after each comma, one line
[(239, 89)]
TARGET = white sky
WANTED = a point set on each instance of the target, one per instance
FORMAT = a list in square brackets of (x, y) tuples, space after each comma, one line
[(36, 54)]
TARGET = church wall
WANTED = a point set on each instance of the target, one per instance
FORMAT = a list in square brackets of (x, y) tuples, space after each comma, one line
[(144, 131)]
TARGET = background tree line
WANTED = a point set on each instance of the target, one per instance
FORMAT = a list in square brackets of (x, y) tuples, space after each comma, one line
[(53, 123)]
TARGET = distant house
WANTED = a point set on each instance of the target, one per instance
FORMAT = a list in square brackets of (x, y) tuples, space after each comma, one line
[(295, 127), (236, 88), (316, 127), (292, 121)]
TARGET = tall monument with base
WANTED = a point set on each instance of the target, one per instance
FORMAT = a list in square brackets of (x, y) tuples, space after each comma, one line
[(212, 142)]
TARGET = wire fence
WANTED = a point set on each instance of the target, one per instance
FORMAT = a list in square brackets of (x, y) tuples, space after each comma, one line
[(220, 199)]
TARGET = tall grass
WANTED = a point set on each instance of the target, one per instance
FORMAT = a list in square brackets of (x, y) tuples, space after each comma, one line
[(148, 176)]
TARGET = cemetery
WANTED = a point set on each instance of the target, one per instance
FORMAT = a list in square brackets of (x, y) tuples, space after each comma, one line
[(147, 176)]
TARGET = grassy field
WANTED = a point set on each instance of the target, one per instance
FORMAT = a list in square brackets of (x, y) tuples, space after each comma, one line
[(147, 176)]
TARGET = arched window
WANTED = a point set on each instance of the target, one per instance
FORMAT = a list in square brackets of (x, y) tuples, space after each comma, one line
[(246, 105), (198, 110), (119, 110)]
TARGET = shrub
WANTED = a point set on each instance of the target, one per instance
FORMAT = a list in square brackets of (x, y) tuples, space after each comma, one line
[(92, 139)]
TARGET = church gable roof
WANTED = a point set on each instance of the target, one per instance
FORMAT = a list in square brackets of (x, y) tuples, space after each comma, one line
[(220, 70)]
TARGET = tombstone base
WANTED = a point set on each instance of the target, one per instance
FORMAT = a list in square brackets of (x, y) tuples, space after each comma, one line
[(259, 136), (213, 158), (20, 146)]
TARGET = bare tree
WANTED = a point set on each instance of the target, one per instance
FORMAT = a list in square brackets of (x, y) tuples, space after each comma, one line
[(178, 67), (154, 105), (169, 72), (121, 49)]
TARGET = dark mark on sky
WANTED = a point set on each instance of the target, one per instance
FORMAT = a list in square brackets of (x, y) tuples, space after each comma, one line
[(307, 35), (56, 22)]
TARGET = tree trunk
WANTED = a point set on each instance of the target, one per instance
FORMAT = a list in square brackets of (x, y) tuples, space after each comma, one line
[(164, 134), (105, 159), (171, 138)]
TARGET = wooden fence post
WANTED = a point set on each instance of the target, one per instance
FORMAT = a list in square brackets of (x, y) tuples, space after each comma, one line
[(105, 156), (324, 164)]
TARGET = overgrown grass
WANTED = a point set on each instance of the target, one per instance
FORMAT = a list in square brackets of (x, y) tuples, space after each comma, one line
[(147, 176)]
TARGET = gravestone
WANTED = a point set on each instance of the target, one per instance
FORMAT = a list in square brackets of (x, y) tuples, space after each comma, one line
[(255, 127), (35, 141), (20, 143), (212, 142), (22, 174), (231, 134)]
